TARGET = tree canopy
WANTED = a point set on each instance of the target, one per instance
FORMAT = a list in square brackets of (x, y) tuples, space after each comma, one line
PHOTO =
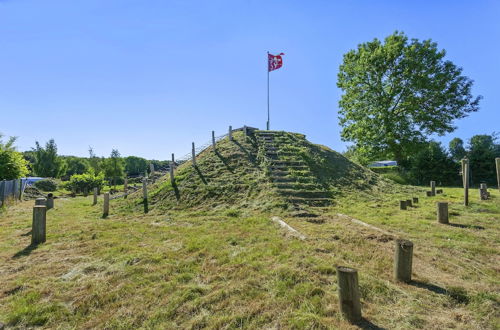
[(397, 92), (47, 162)]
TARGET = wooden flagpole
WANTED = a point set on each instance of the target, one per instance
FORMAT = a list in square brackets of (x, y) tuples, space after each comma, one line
[(267, 91)]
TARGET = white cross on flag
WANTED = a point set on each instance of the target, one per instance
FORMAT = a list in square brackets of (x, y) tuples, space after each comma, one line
[(274, 62)]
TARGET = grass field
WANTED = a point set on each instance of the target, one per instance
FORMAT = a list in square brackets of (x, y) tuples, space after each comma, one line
[(234, 269)]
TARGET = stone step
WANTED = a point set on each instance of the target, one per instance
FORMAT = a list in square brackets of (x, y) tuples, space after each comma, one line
[(311, 201), (305, 193), (286, 167), (288, 162), (296, 185)]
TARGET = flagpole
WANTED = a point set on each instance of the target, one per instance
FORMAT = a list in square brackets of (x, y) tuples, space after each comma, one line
[(268, 91)]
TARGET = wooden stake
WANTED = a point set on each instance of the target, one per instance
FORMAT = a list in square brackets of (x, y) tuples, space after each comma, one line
[(465, 174), (497, 162), (145, 195), (213, 140), (428, 193), (105, 208), (433, 188), (39, 224), (442, 212), (408, 203), (350, 305), (95, 196), (173, 161), (193, 154), (171, 170), (125, 187), (402, 205), (50, 201), (415, 200), (403, 260), (230, 133)]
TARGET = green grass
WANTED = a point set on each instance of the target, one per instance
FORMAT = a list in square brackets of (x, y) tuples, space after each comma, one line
[(233, 268)]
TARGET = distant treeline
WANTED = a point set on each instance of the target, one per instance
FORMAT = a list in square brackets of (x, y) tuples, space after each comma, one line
[(432, 161)]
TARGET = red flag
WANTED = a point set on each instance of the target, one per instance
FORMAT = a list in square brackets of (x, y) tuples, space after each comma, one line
[(274, 62)]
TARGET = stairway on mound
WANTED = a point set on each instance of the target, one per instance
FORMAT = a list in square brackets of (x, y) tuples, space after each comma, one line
[(289, 173)]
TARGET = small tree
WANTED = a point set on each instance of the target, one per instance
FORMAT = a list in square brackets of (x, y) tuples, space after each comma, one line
[(114, 167), (12, 163), (398, 92), (95, 162), (457, 150), (47, 162), (85, 182)]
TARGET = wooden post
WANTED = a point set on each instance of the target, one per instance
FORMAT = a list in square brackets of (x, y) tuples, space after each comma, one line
[(213, 140), (145, 195), (95, 196), (151, 169), (350, 305), (428, 193), (125, 187), (465, 178), (39, 224), (403, 260), (433, 188), (408, 203), (415, 200), (402, 205), (193, 154), (173, 161), (442, 212), (245, 130), (41, 201), (230, 133), (483, 191), (105, 208), (497, 162), (50, 201), (171, 170)]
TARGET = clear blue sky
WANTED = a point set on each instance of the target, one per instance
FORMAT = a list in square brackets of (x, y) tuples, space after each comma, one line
[(150, 77)]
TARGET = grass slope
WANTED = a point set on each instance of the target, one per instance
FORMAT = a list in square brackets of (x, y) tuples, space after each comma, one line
[(213, 269)]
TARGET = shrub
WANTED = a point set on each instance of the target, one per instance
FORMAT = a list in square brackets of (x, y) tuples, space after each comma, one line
[(79, 183), (46, 185)]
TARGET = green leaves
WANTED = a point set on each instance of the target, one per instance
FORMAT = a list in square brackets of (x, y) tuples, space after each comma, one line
[(398, 92)]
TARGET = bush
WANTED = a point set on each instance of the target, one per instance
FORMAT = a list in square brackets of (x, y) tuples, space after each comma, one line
[(79, 183), (46, 185)]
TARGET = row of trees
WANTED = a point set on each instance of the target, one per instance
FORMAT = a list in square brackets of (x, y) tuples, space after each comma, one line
[(44, 161)]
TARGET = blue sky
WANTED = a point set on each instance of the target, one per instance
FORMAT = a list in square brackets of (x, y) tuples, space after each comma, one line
[(150, 77)]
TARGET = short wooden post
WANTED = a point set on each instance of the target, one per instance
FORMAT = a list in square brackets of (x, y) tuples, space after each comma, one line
[(408, 203), (403, 260), (349, 298), (415, 200), (39, 224), (145, 195), (96, 190), (442, 212), (193, 154), (213, 139), (497, 162), (465, 178), (428, 193), (230, 133), (125, 187), (483, 191), (105, 208), (171, 170), (50, 201), (433, 188), (402, 205), (41, 201)]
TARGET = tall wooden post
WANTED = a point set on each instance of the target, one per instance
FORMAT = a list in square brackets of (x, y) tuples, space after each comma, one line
[(39, 224), (230, 133), (105, 207), (213, 140), (442, 212), (403, 260), (171, 170), (350, 305), (173, 161), (497, 162), (145, 195), (193, 154), (433, 188), (125, 187), (151, 169), (465, 174), (95, 196)]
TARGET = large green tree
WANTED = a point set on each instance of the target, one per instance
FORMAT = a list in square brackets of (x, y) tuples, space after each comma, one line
[(457, 149), (397, 92), (47, 162), (135, 165), (12, 163), (114, 167), (483, 150)]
